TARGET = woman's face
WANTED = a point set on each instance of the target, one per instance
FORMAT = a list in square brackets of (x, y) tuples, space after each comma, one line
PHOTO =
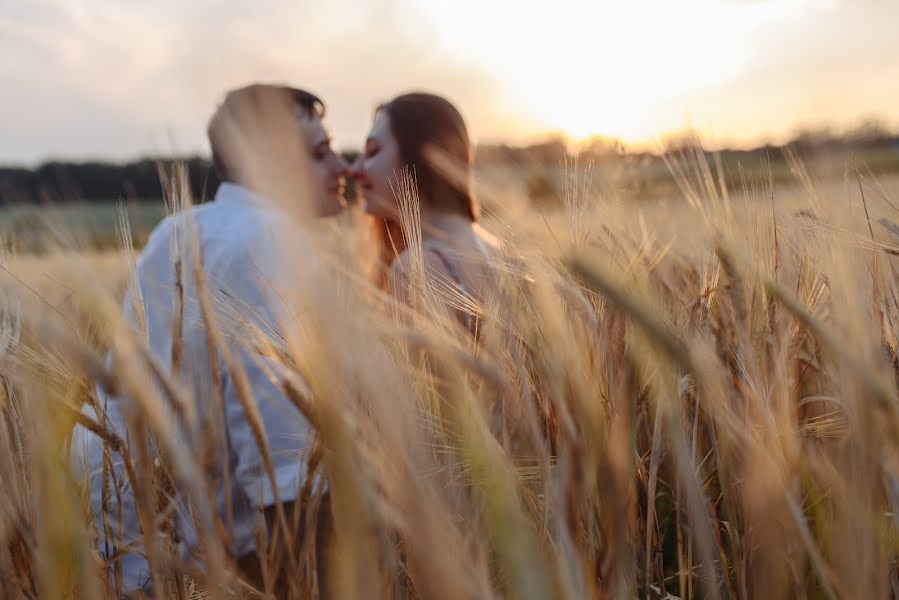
[(378, 167)]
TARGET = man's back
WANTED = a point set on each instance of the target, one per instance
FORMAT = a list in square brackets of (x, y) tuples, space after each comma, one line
[(242, 242)]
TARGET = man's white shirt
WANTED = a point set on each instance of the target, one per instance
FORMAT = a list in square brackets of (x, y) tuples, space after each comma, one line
[(251, 252)]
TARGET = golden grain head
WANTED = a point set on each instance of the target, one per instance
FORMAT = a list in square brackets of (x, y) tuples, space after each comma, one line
[(694, 397)]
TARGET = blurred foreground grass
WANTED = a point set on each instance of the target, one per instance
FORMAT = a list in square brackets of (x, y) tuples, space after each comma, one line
[(694, 396), (33, 229)]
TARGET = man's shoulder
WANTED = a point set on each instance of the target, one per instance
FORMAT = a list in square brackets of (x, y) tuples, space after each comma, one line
[(172, 235), (244, 229), (216, 222), (176, 224), (159, 238), (255, 236), (229, 233)]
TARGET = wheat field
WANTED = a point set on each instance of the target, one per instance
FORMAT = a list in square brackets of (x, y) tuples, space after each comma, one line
[(693, 397)]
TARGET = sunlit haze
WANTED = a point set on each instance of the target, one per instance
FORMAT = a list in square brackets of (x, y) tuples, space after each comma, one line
[(119, 79)]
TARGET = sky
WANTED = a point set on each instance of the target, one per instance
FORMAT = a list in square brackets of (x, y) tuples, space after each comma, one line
[(118, 79)]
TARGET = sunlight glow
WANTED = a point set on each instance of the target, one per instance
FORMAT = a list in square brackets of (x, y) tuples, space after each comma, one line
[(617, 68), (740, 72)]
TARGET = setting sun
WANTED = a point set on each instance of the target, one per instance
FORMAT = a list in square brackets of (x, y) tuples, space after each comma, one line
[(606, 68), (736, 70)]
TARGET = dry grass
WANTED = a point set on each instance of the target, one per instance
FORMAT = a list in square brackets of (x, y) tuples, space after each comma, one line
[(694, 398)]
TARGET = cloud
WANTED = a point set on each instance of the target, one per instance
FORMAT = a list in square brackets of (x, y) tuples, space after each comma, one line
[(833, 63), (125, 78), (120, 78)]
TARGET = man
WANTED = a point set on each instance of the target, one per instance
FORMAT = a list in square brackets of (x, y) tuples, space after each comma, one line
[(273, 155)]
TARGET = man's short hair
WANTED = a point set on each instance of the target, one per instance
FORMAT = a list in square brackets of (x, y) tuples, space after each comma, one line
[(251, 102)]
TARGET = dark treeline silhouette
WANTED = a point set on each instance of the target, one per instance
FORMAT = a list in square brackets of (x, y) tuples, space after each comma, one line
[(550, 151), (869, 135), (61, 182)]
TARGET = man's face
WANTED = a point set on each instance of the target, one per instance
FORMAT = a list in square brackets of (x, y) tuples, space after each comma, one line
[(327, 169)]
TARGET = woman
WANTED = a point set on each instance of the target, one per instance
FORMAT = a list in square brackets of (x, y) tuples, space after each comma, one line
[(420, 140)]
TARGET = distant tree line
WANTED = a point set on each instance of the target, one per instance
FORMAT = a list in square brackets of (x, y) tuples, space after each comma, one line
[(60, 182)]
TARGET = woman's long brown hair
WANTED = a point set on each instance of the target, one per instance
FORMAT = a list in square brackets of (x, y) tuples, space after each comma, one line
[(420, 122)]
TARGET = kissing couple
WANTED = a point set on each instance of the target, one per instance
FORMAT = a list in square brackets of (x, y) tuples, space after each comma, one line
[(272, 152)]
